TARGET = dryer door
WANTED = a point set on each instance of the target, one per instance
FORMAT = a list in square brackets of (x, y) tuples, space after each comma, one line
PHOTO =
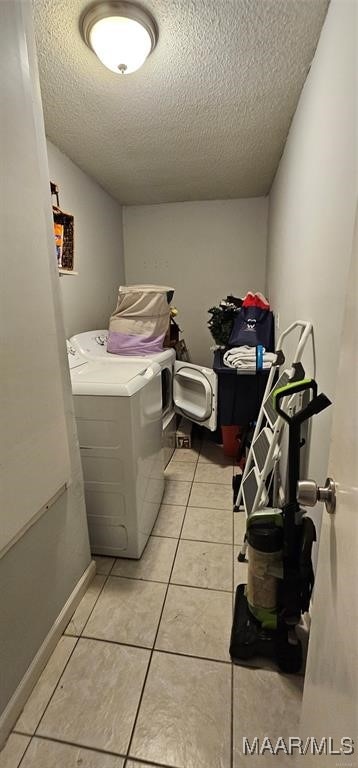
[(195, 391)]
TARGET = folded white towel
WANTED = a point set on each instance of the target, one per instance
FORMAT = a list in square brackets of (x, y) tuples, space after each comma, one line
[(244, 358), (245, 351), (248, 365)]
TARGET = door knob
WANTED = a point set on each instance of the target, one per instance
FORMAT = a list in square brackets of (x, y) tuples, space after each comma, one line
[(308, 493)]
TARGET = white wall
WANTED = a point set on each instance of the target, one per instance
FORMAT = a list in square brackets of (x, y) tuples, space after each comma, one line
[(42, 568), (311, 211), (205, 250), (89, 297)]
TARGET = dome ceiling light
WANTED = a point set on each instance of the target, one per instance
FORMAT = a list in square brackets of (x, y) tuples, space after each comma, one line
[(121, 34)]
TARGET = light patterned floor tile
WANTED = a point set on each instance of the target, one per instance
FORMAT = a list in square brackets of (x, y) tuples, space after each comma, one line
[(208, 525), (127, 611), (239, 527), (186, 454), (265, 704), (138, 764), (184, 717), (43, 753), (211, 495), (196, 622), (96, 701), (45, 686), (207, 473), (103, 564), (13, 750), (154, 565), (214, 455), (180, 470), (79, 618), (202, 564), (169, 521), (240, 569), (176, 492)]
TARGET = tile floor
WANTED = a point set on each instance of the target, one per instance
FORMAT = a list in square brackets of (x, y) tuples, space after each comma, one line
[(142, 675)]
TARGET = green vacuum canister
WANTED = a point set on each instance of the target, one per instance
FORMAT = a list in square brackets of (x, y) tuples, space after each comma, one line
[(265, 543)]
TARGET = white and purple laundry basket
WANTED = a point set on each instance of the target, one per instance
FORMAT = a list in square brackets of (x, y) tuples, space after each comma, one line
[(141, 319)]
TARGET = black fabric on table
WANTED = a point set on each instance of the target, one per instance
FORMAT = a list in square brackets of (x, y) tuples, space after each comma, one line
[(239, 395)]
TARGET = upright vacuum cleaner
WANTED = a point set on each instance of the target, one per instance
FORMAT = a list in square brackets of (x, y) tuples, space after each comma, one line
[(280, 572)]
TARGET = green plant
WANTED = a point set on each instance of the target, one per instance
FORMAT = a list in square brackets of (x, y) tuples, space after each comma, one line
[(221, 322)]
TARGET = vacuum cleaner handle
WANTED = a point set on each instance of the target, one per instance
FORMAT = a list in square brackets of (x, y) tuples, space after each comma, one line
[(316, 405), (293, 389)]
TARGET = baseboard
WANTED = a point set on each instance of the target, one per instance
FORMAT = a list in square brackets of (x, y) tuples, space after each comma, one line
[(31, 676)]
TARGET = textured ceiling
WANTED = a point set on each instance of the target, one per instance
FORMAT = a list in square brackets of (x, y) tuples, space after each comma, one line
[(207, 115)]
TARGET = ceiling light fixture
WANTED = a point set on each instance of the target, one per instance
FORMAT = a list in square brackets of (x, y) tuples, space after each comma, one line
[(121, 34)]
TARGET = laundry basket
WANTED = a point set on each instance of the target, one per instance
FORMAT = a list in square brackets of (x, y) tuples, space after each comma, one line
[(140, 321)]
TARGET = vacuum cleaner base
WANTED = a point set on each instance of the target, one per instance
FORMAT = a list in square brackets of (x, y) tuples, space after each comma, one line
[(249, 639)]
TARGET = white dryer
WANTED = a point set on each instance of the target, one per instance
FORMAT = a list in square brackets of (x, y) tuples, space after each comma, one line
[(93, 346), (187, 389), (195, 393), (118, 412)]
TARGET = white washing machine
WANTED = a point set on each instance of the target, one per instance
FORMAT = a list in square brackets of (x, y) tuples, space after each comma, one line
[(118, 412), (93, 346)]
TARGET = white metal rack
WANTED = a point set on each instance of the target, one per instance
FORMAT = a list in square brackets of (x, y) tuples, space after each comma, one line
[(264, 451)]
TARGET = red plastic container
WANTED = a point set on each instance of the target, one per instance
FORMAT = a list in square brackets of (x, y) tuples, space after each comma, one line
[(231, 439)]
